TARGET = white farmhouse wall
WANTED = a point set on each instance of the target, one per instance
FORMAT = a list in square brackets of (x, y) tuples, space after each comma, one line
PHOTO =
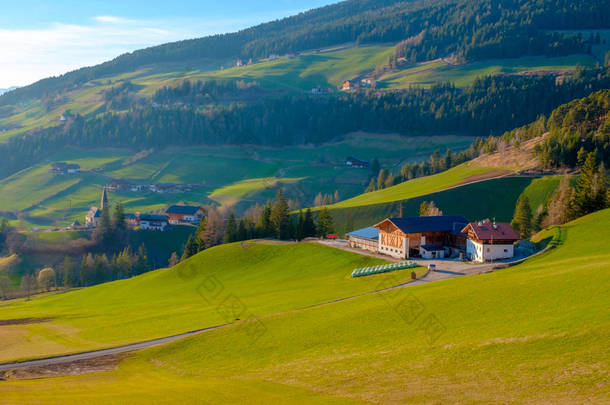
[(478, 252), (398, 253)]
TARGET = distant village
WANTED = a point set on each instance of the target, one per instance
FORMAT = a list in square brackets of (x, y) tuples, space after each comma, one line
[(173, 215)]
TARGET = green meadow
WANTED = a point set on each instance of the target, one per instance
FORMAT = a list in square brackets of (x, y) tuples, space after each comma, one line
[(427, 73), (266, 278), (225, 175), (416, 187), (532, 333)]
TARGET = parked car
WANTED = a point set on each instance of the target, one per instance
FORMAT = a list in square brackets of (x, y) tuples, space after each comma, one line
[(431, 267)]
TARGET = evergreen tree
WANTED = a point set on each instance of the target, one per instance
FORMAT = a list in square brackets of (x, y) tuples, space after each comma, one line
[(423, 209), (199, 234), (522, 219), (190, 248), (325, 223), (242, 230), (300, 228), (280, 217), (372, 186), (142, 264), (265, 227), (120, 225), (309, 227), (382, 178), (585, 199), (375, 167), (230, 230)]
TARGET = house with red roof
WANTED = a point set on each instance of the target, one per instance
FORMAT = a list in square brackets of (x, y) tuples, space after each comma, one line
[(488, 241)]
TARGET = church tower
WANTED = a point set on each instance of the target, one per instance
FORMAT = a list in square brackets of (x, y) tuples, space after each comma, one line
[(104, 201)]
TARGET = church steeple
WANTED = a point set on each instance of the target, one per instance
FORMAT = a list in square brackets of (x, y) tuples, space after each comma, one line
[(104, 201)]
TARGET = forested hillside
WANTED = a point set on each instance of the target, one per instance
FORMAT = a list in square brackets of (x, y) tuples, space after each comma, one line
[(490, 106), (467, 29)]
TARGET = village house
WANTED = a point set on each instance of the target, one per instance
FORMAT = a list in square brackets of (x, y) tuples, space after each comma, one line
[(356, 163), (184, 214), (350, 85), (488, 241), (94, 215), (152, 222), (367, 83), (64, 168), (132, 220)]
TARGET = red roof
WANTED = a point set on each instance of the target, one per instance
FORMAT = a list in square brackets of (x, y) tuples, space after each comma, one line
[(487, 230)]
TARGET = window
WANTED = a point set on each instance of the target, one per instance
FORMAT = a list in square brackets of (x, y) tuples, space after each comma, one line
[(487, 250), (505, 250)]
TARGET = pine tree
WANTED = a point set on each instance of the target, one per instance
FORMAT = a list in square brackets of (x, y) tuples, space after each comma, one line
[(585, 196), (382, 178), (120, 225), (190, 248), (522, 219), (375, 167), (300, 228), (325, 223), (230, 230), (309, 227), (372, 186), (242, 230), (199, 234), (280, 217), (142, 264)]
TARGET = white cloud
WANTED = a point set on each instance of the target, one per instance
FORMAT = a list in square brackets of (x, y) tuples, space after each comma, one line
[(28, 55)]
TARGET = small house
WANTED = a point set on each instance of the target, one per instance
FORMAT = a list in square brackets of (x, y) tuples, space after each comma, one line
[(153, 222), (350, 85), (184, 214), (488, 241), (65, 168), (356, 163)]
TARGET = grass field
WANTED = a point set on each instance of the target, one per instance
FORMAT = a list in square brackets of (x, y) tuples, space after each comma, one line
[(536, 332), (427, 73), (494, 198), (416, 187), (170, 301), (222, 174)]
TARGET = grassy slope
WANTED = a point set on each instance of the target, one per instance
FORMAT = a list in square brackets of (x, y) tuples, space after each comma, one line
[(325, 69), (223, 172), (540, 190), (170, 301), (416, 187), (532, 333), (428, 73)]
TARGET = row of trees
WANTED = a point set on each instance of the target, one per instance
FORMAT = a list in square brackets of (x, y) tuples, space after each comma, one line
[(272, 220), (590, 193)]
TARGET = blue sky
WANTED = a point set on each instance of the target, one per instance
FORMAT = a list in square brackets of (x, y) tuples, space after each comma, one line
[(42, 38)]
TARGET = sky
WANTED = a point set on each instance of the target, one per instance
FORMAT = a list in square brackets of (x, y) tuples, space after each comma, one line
[(43, 38)]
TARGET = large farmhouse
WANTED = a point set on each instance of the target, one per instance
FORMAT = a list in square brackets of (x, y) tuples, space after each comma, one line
[(433, 237), (424, 236), (489, 241)]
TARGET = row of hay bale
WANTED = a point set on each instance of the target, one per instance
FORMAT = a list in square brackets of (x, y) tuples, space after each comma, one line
[(367, 271)]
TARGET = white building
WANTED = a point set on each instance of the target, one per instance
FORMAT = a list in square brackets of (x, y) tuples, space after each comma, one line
[(489, 241), (153, 222)]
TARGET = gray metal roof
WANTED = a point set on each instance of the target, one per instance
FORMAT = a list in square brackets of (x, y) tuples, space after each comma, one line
[(367, 233)]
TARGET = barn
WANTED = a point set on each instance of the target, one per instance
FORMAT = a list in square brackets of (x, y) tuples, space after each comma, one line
[(426, 236), (184, 214)]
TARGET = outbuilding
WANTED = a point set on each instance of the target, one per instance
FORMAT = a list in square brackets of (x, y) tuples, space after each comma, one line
[(365, 238)]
